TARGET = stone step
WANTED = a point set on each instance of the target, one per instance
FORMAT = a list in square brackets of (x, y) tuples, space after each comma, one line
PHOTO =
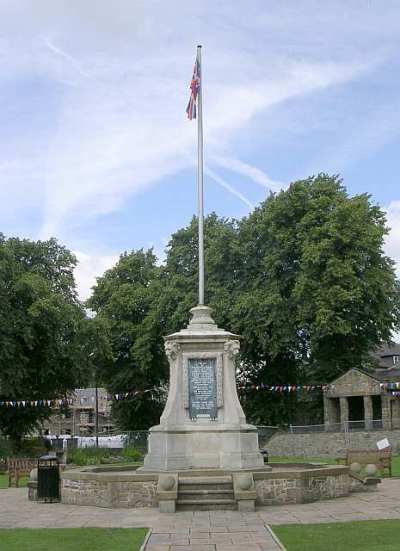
[(206, 505), (204, 491), (204, 495), (206, 483), (205, 480), (205, 487)]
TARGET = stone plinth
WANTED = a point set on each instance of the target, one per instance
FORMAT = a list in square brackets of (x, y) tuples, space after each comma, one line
[(203, 425)]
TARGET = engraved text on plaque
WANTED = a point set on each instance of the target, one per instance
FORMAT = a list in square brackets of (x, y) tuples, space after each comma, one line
[(202, 381)]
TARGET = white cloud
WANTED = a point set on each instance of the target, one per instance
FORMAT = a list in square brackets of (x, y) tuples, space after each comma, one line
[(118, 77), (89, 267), (110, 84), (118, 138)]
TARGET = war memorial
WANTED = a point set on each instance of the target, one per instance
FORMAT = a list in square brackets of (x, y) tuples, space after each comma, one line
[(203, 454)]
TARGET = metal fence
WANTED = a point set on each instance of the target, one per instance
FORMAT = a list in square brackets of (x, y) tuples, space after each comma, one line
[(347, 426), (133, 439), (138, 438)]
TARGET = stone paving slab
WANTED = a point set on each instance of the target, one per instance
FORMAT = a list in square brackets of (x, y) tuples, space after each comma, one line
[(201, 530)]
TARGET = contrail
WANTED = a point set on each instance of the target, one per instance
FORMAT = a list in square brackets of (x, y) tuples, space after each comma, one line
[(66, 56), (227, 186), (254, 173)]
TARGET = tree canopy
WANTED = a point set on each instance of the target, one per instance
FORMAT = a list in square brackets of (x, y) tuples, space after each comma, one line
[(42, 355), (303, 279), (125, 300)]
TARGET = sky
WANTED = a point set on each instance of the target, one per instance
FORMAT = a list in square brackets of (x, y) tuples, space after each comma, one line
[(96, 149)]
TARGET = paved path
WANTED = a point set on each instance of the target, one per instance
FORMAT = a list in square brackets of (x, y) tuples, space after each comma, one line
[(202, 530)]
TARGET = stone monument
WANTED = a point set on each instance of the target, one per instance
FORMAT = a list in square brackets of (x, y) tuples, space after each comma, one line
[(203, 425)]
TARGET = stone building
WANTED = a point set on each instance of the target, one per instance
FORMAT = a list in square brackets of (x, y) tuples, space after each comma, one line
[(80, 420), (366, 400)]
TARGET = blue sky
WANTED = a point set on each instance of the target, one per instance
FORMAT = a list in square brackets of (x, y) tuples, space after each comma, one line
[(96, 149)]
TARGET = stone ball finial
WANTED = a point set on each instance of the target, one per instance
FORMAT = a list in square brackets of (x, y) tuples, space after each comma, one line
[(371, 469), (167, 483), (245, 482), (355, 467)]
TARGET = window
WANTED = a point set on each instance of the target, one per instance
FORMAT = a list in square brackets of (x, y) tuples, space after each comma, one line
[(396, 359)]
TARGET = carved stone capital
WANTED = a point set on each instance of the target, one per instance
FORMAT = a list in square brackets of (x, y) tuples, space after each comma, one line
[(172, 350), (232, 348)]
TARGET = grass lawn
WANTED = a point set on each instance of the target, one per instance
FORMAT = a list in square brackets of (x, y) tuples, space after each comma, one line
[(71, 539), (331, 461), (23, 481), (369, 535)]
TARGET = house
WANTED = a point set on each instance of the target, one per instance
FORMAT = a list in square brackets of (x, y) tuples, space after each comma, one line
[(366, 400), (80, 419)]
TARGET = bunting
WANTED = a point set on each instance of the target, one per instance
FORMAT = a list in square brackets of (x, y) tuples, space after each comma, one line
[(392, 387), (59, 402)]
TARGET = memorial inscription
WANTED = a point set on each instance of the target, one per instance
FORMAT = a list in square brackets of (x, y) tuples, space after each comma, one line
[(202, 381)]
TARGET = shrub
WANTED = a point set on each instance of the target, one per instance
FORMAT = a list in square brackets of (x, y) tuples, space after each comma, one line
[(131, 454), (100, 456)]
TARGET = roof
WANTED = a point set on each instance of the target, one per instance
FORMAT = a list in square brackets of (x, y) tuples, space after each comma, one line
[(388, 350), (387, 375), (384, 355), (386, 370), (379, 375), (371, 375)]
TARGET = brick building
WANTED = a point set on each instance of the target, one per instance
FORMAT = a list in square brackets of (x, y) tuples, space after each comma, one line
[(80, 420)]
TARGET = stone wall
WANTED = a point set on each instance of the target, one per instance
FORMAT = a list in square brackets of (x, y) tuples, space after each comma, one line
[(106, 493), (328, 444), (302, 486), (283, 485)]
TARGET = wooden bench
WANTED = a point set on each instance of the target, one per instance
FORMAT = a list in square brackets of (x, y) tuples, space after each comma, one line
[(17, 467), (381, 458)]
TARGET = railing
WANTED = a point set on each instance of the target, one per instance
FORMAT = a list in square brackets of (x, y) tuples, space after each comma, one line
[(134, 439), (346, 426)]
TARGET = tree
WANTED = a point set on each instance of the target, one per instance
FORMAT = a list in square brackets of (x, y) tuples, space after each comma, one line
[(125, 302), (303, 279), (318, 293), (41, 323)]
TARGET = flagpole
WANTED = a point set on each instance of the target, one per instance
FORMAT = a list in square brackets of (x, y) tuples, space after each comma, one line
[(200, 181)]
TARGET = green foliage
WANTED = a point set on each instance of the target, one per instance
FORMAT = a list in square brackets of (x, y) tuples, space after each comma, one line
[(303, 279), (368, 535), (100, 456), (22, 482), (70, 539), (41, 320), (131, 454), (318, 292), (332, 461), (5, 449), (125, 300)]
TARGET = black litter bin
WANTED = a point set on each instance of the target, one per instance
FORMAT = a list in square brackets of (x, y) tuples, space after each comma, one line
[(48, 481), (264, 453)]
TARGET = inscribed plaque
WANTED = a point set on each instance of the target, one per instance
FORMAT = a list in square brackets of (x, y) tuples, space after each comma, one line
[(202, 381)]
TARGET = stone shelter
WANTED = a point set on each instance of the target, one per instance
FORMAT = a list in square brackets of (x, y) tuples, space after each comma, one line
[(366, 400)]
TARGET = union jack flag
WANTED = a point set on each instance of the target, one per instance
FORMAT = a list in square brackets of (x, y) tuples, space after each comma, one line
[(194, 90)]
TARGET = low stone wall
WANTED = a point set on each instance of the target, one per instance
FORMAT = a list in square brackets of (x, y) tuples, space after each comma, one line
[(302, 485), (283, 485), (328, 444), (108, 489)]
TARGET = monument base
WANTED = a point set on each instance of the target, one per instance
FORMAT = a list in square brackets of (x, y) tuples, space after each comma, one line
[(203, 447)]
